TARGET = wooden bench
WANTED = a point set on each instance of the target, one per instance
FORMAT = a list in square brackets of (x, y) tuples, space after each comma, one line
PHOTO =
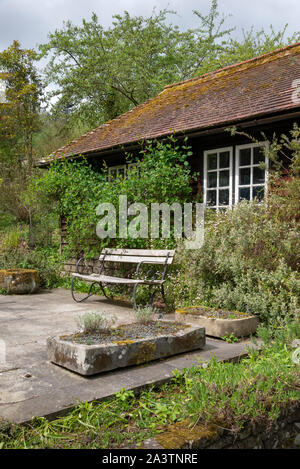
[(134, 256)]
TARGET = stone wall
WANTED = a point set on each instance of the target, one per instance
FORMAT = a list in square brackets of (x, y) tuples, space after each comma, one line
[(70, 266)]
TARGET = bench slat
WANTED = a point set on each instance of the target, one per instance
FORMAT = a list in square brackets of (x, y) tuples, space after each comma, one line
[(118, 280), (136, 259), (140, 252)]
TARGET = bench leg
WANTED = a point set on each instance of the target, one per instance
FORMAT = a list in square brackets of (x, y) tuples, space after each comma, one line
[(86, 297), (151, 298), (134, 294), (104, 293), (163, 296)]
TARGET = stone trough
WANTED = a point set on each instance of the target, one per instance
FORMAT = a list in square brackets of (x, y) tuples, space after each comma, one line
[(19, 281), (216, 327), (92, 359)]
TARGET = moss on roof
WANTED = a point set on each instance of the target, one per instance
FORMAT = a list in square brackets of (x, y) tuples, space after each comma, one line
[(242, 90)]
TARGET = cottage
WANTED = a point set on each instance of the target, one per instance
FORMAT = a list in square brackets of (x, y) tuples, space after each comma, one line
[(261, 95)]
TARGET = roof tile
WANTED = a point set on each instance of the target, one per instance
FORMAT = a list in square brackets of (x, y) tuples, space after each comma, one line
[(254, 87)]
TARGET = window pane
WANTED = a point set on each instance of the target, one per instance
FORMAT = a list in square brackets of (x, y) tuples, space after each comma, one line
[(224, 197), (211, 197), (258, 192), (245, 157), (212, 179), (258, 155), (121, 172), (244, 193), (223, 178), (245, 176), (258, 175), (112, 173), (212, 161), (224, 159)]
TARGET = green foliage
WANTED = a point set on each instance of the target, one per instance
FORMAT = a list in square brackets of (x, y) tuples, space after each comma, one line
[(19, 120), (247, 264), (46, 261), (84, 61), (54, 132), (94, 323), (230, 338), (254, 391), (253, 44), (144, 315), (75, 190), (251, 254)]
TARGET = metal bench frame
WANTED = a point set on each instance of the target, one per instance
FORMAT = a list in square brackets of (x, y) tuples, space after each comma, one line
[(139, 256)]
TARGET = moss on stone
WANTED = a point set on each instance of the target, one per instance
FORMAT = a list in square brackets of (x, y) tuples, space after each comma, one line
[(180, 434), (123, 342)]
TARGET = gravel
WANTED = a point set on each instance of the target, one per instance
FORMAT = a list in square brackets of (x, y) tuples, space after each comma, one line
[(127, 332)]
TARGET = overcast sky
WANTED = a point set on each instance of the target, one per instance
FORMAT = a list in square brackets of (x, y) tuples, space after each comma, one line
[(29, 21)]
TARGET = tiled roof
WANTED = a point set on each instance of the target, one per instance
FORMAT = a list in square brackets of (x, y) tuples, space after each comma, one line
[(263, 85)]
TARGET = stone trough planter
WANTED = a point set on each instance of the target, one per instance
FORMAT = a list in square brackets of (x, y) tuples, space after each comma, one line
[(218, 323), (91, 359), (19, 281)]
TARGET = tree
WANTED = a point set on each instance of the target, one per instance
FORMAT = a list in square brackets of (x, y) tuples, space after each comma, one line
[(252, 44), (19, 120), (101, 73)]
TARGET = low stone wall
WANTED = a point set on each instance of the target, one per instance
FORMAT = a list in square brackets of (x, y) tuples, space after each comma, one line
[(70, 266), (94, 264), (283, 433)]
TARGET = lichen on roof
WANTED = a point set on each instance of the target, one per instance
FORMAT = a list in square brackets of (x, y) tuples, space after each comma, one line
[(211, 99)]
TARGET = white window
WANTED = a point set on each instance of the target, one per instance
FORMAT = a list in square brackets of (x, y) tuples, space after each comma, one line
[(131, 166), (250, 178), (116, 171), (119, 171), (217, 187)]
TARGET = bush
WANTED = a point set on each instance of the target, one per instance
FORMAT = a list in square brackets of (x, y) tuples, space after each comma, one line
[(144, 315), (94, 323), (249, 262), (47, 261), (75, 190), (254, 391)]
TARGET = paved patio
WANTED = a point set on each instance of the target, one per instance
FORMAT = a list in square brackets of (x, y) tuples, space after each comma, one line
[(31, 386)]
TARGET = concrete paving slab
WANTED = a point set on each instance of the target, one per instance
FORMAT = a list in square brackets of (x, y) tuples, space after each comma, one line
[(31, 386)]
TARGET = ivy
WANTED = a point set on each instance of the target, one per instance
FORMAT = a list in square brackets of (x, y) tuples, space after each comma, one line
[(73, 189)]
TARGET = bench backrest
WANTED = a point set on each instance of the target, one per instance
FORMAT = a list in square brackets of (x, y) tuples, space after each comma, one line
[(135, 256)]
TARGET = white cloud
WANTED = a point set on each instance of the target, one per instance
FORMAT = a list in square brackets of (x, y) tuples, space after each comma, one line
[(29, 21)]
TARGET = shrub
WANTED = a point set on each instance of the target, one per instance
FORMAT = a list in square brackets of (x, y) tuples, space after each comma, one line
[(94, 323), (144, 315), (75, 190), (47, 261), (249, 261)]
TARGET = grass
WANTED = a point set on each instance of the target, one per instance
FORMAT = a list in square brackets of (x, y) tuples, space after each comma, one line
[(254, 390)]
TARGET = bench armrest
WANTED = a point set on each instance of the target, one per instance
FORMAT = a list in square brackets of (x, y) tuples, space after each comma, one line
[(81, 263), (145, 262)]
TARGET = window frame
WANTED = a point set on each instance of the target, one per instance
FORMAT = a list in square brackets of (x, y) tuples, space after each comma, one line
[(251, 166), (124, 167), (111, 168), (217, 207)]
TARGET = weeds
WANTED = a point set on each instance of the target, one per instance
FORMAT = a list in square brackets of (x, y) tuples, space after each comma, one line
[(144, 315), (94, 323), (254, 390), (230, 338)]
